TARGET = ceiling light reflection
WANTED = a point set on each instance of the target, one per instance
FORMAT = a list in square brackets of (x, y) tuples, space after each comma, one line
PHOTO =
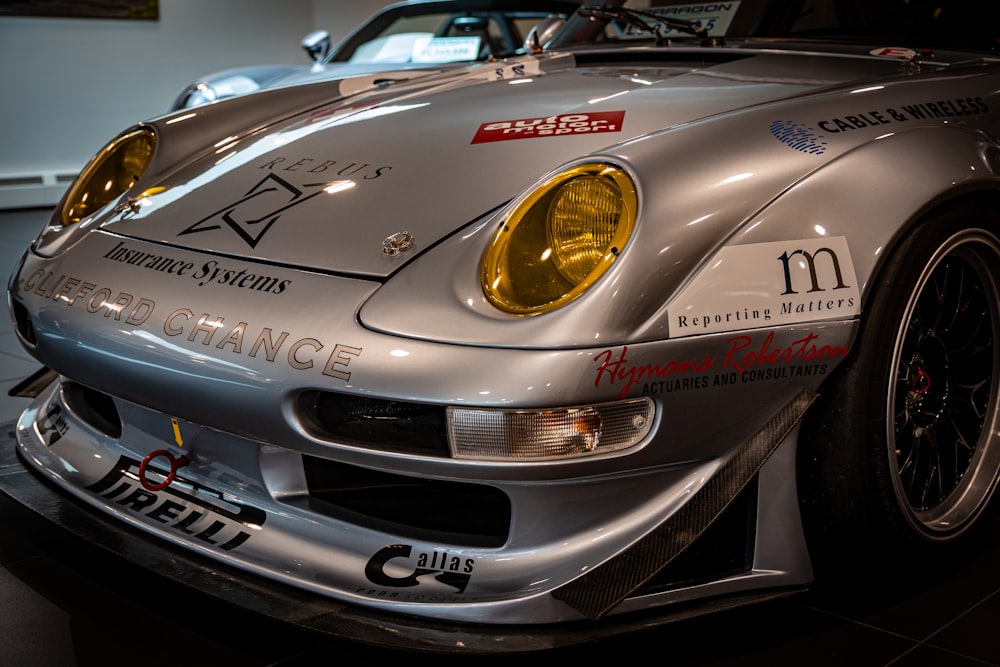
[(339, 186)]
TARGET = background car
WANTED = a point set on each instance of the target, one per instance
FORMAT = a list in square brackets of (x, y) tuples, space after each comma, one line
[(417, 34), (665, 319)]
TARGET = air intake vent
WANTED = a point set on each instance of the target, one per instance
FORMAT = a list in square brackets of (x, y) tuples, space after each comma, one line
[(395, 426), (93, 407), (22, 323), (455, 513)]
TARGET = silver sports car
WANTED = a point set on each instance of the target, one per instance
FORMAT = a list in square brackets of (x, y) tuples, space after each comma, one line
[(410, 35), (695, 306)]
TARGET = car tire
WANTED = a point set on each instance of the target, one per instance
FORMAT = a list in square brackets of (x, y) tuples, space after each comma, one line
[(899, 457)]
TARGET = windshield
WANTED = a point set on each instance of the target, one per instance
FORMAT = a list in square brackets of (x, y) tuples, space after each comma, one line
[(965, 24), (414, 35)]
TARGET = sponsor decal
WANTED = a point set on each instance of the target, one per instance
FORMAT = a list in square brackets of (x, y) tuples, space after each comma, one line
[(194, 511), (743, 359), (768, 284), (810, 137), (894, 52), (52, 426), (253, 215), (211, 272), (929, 110), (398, 567), (514, 70), (714, 16), (799, 136), (310, 165), (209, 329), (676, 386), (550, 126), (445, 49)]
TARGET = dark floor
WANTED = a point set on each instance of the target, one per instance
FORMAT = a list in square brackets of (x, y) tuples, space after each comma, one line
[(65, 602)]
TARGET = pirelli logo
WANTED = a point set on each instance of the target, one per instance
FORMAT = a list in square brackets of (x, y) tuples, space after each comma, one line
[(192, 510)]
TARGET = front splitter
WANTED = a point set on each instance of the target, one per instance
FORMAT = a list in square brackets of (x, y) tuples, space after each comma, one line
[(310, 612)]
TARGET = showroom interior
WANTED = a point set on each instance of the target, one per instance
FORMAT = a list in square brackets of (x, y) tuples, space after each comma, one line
[(70, 84)]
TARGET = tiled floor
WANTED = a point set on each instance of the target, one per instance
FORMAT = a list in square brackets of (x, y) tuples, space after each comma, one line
[(64, 602)]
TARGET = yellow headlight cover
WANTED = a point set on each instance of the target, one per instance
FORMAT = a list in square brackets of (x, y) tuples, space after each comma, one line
[(111, 172), (560, 239)]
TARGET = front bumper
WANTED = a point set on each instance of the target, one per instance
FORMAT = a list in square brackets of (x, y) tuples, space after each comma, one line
[(312, 613), (219, 523)]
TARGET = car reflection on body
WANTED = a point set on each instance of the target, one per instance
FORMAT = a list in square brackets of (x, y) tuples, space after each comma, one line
[(412, 35)]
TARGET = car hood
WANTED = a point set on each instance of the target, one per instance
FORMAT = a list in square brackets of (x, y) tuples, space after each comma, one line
[(323, 174)]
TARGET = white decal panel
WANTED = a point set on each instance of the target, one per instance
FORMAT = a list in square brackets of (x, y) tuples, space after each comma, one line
[(446, 49), (767, 285), (714, 16)]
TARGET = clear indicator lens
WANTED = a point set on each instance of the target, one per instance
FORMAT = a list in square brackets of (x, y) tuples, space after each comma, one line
[(534, 435)]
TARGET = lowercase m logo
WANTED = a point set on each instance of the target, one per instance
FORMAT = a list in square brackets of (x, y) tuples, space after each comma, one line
[(810, 260)]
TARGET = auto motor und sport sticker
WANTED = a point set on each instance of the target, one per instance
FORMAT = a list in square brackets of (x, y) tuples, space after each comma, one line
[(550, 126)]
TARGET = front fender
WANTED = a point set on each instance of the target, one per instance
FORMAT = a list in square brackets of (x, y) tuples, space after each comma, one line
[(874, 194), (811, 253)]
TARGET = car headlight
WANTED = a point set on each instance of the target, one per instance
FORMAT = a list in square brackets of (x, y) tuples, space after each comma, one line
[(112, 171), (560, 239)]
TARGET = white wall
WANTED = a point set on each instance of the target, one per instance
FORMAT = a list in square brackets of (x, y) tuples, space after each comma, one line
[(342, 16), (69, 85)]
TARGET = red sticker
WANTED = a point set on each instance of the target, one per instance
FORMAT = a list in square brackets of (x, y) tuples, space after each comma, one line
[(550, 126), (894, 52)]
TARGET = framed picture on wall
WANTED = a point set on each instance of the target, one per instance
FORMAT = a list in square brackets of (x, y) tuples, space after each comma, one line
[(135, 10)]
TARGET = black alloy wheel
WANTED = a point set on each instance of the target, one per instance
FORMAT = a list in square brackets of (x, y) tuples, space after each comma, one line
[(900, 457)]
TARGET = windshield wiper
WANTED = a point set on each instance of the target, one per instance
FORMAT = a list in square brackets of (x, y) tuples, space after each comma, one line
[(651, 22)]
